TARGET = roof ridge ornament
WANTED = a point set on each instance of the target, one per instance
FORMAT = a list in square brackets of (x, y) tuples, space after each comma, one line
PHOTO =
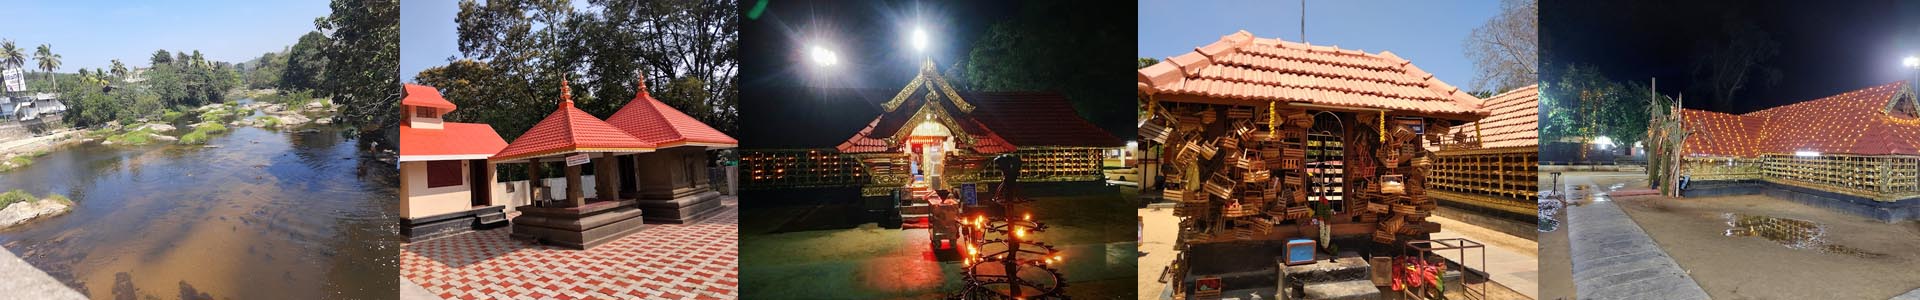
[(566, 92)]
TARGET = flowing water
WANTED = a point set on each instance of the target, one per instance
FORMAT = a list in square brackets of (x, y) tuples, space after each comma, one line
[(257, 214)]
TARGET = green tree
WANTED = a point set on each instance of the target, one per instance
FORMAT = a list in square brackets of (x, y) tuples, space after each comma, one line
[(363, 62), (1043, 48), (49, 61), (119, 69), (306, 63), (160, 57)]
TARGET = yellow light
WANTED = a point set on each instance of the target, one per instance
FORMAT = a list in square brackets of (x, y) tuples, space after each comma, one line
[(1020, 232), (1027, 216)]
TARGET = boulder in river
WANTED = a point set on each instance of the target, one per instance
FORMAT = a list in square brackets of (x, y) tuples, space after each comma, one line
[(27, 211)]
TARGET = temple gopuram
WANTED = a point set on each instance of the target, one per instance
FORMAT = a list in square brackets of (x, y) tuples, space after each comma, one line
[(1490, 167), (1857, 152), (1270, 142), (930, 136)]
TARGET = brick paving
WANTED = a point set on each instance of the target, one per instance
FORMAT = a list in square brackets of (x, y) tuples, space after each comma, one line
[(687, 261)]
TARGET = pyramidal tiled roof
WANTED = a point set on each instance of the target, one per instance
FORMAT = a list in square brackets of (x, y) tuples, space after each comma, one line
[(570, 130), (1854, 122), (1242, 68), (653, 121)]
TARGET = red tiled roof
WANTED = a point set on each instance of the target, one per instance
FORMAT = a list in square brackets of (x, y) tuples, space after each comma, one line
[(453, 141), (1515, 120), (424, 96), (1243, 69), (569, 130), (1029, 119), (653, 121), (1855, 122)]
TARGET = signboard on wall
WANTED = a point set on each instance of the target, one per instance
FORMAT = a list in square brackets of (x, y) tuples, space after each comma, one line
[(16, 80)]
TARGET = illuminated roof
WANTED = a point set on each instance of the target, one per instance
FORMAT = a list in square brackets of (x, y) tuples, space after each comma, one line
[(1241, 69), (1855, 122)]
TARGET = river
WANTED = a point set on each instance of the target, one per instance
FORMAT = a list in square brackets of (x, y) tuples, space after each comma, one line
[(256, 214)]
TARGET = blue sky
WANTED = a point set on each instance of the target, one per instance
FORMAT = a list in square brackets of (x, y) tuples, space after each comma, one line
[(90, 33), (427, 35), (1429, 33)]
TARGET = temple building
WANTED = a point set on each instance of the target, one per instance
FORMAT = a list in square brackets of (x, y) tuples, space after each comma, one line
[(1270, 142), (671, 184), (1489, 168), (930, 136), (1857, 151), (446, 183), (571, 218)]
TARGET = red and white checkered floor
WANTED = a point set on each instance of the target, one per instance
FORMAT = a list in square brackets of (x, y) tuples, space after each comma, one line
[(664, 261)]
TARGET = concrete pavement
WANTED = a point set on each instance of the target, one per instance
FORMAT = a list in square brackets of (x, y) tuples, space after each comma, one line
[(1613, 258), (1512, 261), (23, 281)]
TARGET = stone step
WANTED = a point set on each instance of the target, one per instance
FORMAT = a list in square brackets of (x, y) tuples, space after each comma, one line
[(492, 217), (916, 209)]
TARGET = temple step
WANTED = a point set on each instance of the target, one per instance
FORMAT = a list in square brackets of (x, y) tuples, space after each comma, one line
[(492, 218)]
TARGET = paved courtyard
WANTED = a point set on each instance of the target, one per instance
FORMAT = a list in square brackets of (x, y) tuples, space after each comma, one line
[(664, 261)]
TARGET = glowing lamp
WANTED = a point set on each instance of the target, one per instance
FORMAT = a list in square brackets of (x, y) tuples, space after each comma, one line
[(1911, 62), (823, 57), (919, 39), (1804, 153)]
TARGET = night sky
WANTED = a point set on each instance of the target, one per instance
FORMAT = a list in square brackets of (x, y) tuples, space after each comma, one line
[(789, 102), (1826, 47)]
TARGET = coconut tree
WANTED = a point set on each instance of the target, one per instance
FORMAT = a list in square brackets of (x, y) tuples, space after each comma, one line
[(119, 69), (48, 62), (11, 56)]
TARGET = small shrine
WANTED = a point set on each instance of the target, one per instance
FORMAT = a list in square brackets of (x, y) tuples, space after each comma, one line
[(574, 139), (671, 184), (1271, 144)]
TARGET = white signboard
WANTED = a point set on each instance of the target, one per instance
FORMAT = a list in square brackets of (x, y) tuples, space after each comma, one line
[(577, 159), (15, 78)]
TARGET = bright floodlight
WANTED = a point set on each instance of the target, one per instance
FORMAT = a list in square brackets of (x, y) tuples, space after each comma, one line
[(823, 57), (919, 39), (1804, 153), (1911, 62), (1603, 141)]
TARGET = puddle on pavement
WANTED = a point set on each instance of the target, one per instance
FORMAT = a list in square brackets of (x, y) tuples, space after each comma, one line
[(1792, 233), (258, 214)]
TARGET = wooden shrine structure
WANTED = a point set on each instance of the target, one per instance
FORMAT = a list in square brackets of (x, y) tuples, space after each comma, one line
[(1268, 140)]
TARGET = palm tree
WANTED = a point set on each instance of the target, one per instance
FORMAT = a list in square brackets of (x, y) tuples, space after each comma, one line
[(11, 56), (119, 70), (48, 62)]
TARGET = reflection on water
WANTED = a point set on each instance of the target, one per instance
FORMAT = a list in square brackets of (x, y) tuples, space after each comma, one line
[(1793, 233), (256, 214)]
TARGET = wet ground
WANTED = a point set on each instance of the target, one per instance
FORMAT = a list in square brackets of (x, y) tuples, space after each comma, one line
[(256, 214), (817, 244), (1556, 263), (1755, 246)]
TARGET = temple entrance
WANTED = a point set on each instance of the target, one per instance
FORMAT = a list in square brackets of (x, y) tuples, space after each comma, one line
[(929, 144), (480, 185)]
